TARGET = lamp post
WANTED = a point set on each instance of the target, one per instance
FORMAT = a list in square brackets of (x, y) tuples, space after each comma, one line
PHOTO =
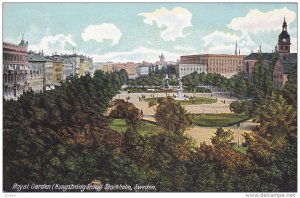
[(238, 125), (217, 118)]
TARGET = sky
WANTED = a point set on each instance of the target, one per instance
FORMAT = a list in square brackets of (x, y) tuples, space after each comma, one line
[(121, 32)]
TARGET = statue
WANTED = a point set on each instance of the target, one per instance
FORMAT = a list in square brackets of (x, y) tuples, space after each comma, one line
[(180, 91)]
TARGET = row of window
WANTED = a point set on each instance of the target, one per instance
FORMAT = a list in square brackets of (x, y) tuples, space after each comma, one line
[(12, 57), (9, 91), (222, 64), (35, 72), (11, 78), (230, 69), (232, 61), (193, 69), (212, 61), (277, 76)]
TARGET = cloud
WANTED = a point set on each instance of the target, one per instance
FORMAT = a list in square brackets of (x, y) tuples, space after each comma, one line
[(104, 31), (256, 21), (221, 49), (51, 44), (224, 42), (171, 22), (182, 48), (137, 55), (219, 38)]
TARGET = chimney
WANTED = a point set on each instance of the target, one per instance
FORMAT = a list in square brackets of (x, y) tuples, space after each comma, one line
[(260, 48)]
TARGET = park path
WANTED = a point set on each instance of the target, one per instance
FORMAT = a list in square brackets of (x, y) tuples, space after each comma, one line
[(199, 134)]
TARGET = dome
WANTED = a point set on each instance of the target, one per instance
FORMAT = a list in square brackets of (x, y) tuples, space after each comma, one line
[(284, 35)]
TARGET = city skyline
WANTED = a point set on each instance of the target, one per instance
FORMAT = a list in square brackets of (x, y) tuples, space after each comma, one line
[(122, 32)]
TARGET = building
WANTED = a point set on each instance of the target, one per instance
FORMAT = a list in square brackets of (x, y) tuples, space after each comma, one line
[(142, 70), (104, 66), (36, 77), (190, 64), (250, 60), (282, 66), (57, 69), (224, 64), (86, 65), (118, 66), (15, 70), (44, 63), (76, 65), (131, 69), (91, 68), (67, 67), (76, 61)]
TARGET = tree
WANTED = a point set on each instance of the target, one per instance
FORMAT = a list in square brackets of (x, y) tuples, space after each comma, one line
[(241, 107), (289, 90), (59, 135), (126, 110), (273, 146), (171, 116), (239, 85), (222, 139)]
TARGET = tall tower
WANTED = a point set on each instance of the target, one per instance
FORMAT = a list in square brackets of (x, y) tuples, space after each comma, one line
[(162, 58), (284, 41)]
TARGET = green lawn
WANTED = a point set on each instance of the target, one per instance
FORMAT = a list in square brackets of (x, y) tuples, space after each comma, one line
[(198, 100), (241, 149), (147, 128), (221, 119)]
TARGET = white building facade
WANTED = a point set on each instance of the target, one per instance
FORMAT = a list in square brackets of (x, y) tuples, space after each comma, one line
[(15, 70), (36, 77), (186, 69), (142, 70)]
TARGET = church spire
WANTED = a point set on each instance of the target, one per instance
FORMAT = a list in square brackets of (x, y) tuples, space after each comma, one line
[(284, 25), (22, 43)]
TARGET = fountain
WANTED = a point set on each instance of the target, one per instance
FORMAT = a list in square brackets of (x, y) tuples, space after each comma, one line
[(166, 79)]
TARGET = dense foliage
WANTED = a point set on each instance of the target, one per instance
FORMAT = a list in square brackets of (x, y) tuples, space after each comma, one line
[(52, 136)]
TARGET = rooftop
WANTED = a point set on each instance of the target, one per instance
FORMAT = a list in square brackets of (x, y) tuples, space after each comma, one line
[(32, 57), (288, 62), (255, 56)]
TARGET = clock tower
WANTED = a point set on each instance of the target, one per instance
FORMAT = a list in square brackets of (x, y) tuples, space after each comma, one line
[(284, 41)]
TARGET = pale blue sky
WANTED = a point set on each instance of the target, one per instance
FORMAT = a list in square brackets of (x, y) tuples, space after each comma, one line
[(142, 31)]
